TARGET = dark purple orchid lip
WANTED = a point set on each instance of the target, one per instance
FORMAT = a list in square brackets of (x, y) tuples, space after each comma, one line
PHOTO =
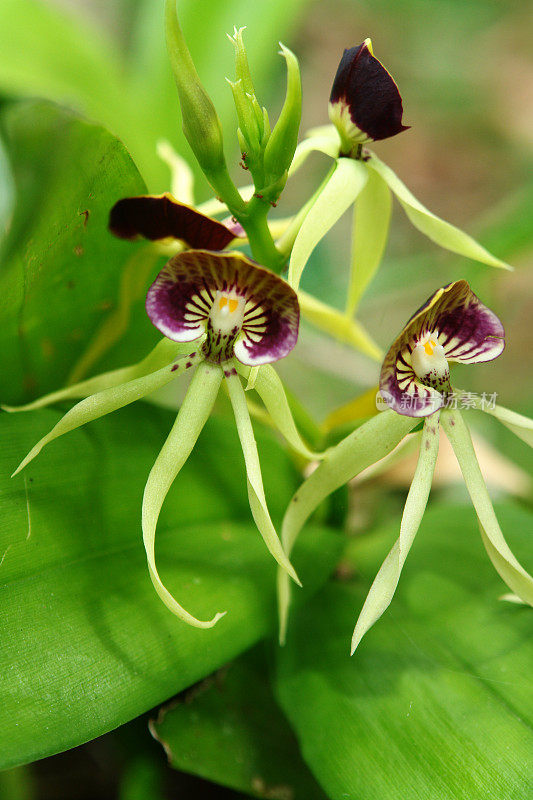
[(161, 217), (183, 303), (456, 321), (370, 95)]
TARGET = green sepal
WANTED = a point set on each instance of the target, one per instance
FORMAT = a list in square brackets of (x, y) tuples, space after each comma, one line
[(382, 590), (338, 325), (505, 563), (192, 416), (269, 387), (108, 400), (163, 353), (367, 444), (436, 229), (370, 231), (256, 493), (342, 189)]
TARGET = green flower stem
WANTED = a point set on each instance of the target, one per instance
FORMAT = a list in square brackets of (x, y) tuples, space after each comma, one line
[(254, 222), (256, 494), (514, 575), (362, 448), (192, 416), (385, 583)]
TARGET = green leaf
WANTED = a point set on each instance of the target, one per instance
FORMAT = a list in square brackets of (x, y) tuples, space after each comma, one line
[(370, 231), (385, 583), (437, 701), (499, 551), (234, 712), (335, 198), (61, 268), (436, 229), (86, 643)]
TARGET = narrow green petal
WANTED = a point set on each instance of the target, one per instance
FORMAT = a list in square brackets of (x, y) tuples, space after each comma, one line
[(338, 325), (520, 425), (256, 494), (181, 175), (106, 401), (337, 196), (370, 230), (162, 354), (367, 444), (191, 418), (269, 387), (514, 575), (436, 229), (327, 143), (382, 590)]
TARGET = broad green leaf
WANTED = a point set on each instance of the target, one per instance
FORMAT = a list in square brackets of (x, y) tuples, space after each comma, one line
[(50, 53), (436, 229), (366, 445), (338, 325), (254, 479), (61, 268), (504, 560), (385, 583), (235, 713), (192, 416), (335, 198), (370, 231), (437, 702), (86, 644)]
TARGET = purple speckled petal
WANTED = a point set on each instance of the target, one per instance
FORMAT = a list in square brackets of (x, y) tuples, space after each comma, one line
[(468, 331), (162, 216), (180, 300), (363, 85)]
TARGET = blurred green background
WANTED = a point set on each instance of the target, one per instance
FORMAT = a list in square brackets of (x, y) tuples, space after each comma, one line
[(466, 76)]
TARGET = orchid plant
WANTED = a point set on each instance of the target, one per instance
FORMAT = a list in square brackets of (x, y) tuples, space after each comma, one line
[(451, 326), (228, 316)]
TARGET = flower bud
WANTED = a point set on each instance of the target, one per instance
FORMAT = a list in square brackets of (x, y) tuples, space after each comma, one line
[(201, 124), (365, 104), (281, 145)]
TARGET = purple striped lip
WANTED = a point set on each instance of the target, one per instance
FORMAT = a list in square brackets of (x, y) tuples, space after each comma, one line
[(244, 309), (453, 325)]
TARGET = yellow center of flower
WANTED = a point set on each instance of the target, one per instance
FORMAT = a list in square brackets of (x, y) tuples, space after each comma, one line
[(429, 362), (230, 302)]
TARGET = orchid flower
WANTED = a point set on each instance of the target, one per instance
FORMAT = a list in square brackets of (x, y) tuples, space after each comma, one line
[(365, 106), (452, 326), (217, 311)]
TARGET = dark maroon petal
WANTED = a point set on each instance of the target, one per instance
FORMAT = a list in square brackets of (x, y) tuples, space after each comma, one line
[(162, 217), (363, 84), (456, 319), (179, 303)]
